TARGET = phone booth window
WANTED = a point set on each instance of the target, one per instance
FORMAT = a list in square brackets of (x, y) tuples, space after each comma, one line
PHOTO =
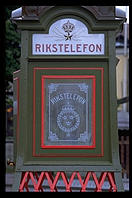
[(68, 118)]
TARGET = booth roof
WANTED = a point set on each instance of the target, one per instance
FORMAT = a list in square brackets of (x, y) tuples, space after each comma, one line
[(98, 11)]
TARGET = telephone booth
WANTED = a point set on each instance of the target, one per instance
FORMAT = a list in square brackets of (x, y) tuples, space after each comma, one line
[(65, 97)]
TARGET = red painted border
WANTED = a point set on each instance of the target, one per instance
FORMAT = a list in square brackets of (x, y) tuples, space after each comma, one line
[(27, 177), (93, 120), (44, 77), (68, 155), (17, 90)]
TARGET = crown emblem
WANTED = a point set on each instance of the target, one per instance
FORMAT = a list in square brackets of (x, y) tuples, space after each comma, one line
[(68, 27), (67, 107)]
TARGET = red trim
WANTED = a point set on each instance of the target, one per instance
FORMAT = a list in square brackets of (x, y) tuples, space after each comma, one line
[(93, 124), (34, 113), (102, 109), (17, 127), (68, 76), (16, 71), (94, 84), (68, 68), (37, 179), (42, 110)]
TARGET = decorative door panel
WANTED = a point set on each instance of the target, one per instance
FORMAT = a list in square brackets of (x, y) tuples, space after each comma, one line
[(67, 107), (68, 114)]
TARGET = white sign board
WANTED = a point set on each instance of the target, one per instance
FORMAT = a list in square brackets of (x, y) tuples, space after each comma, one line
[(68, 37)]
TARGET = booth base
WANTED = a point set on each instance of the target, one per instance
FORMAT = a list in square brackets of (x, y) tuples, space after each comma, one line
[(61, 181)]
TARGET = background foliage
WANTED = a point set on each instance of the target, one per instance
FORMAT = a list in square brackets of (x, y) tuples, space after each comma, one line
[(12, 61), (12, 47)]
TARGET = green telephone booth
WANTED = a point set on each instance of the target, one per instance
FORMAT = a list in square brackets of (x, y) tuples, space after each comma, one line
[(66, 90)]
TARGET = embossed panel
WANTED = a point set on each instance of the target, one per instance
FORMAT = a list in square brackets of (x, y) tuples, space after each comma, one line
[(67, 111)]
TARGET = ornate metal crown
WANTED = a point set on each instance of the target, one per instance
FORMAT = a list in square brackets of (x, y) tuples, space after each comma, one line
[(68, 27)]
